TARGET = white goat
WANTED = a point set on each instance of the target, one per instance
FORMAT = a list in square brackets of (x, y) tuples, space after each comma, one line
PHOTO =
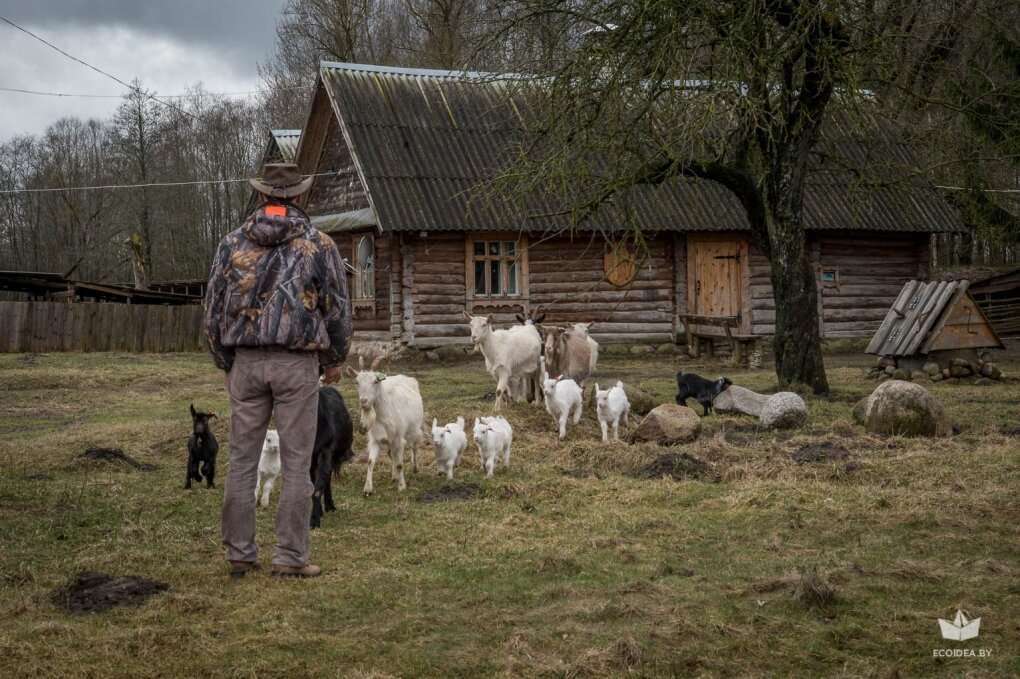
[(451, 442), (613, 407), (269, 466), (570, 352), (508, 353), (493, 436), (391, 413), (563, 398)]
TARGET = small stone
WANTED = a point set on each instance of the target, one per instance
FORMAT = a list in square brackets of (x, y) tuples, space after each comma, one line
[(432, 356), (951, 380), (784, 410), (959, 363), (932, 368), (983, 382), (885, 362), (901, 374), (890, 369), (937, 377), (637, 349), (991, 371), (919, 376), (666, 348), (975, 367), (959, 371), (945, 372)]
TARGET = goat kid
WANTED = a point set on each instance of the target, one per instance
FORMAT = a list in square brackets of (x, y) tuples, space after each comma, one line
[(450, 442), (202, 449), (612, 408), (563, 399), (269, 467), (391, 413), (704, 391), (493, 436)]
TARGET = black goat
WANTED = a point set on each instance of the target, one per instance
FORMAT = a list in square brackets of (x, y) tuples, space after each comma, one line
[(334, 437), (701, 389), (202, 448)]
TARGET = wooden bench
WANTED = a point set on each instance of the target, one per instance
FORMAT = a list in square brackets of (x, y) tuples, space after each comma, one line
[(720, 327)]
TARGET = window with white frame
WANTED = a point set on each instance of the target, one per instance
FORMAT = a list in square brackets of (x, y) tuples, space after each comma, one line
[(364, 267), (497, 267)]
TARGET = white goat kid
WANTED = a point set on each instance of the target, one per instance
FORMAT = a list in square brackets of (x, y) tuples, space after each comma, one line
[(269, 466), (450, 442), (563, 399), (508, 354), (613, 407), (493, 436), (391, 413)]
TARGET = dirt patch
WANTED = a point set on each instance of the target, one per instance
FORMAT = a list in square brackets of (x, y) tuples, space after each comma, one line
[(580, 474), (677, 467), (449, 491), (39, 477), (114, 456), (822, 451), (1009, 431), (29, 358), (91, 592), (488, 397)]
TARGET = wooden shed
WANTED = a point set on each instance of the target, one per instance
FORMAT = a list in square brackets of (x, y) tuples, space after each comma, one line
[(999, 299), (937, 320), (401, 153)]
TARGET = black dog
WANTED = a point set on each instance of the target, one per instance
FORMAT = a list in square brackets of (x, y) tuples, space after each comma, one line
[(202, 447), (334, 436), (703, 390)]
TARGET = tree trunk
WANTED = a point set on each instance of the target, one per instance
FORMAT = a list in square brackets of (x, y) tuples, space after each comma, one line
[(797, 343), (135, 247)]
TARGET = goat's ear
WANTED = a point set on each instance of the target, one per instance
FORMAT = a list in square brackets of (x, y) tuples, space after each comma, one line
[(376, 362), (490, 318), (351, 371), (588, 324), (192, 406), (597, 390), (467, 316), (361, 362), (211, 416), (434, 423), (520, 319), (539, 319)]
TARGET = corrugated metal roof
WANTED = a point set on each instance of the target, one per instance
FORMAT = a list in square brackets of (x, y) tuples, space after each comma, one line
[(345, 221), (427, 139), (287, 143)]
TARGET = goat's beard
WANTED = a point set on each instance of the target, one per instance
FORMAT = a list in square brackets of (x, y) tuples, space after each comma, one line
[(368, 417)]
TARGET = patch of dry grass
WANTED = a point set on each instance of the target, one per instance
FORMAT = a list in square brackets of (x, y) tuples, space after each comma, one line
[(787, 559)]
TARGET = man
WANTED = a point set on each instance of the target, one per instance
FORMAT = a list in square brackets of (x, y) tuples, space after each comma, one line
[(276, 310)]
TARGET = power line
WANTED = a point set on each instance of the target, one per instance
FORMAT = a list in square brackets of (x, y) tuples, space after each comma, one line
[(964, 188), (149, 185), (165, 96), (100, 71)]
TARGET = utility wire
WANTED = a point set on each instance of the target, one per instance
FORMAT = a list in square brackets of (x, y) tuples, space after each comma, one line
[(964, 188), (165, 96), (139, 186), (100, 71)]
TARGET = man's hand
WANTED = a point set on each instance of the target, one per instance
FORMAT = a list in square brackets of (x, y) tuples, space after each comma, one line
[(332, 374)]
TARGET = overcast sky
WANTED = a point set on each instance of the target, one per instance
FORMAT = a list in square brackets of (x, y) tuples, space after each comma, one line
[(168, 44)]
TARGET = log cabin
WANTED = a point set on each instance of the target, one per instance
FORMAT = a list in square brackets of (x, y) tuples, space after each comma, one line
[(399, 154)]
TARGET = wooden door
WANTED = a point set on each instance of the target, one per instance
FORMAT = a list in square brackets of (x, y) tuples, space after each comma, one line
[(717, 273)]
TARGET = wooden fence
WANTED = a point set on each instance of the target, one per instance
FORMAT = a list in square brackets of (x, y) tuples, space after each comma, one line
[(82, 326)]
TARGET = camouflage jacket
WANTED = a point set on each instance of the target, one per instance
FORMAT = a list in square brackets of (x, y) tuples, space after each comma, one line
[(277, 281)]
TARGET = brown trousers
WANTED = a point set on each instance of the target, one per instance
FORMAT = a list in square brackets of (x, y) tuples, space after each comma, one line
[(260, 380)]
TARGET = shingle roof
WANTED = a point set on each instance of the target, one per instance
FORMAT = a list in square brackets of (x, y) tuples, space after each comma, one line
[(426, 139), (287, 143)]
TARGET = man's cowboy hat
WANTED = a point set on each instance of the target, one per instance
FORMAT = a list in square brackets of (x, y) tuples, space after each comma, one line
[(281, 180)]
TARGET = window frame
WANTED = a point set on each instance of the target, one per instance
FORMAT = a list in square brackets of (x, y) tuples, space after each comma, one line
[(359, 300), (520, 242)]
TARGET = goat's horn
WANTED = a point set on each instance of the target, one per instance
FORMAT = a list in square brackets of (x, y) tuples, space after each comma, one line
[(376, 361), (211, 415), (361, 362)]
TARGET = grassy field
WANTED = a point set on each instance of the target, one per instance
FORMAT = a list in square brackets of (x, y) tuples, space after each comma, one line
[(565, 565)]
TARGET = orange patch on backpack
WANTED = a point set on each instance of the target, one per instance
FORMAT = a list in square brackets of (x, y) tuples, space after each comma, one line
[(276, 211)]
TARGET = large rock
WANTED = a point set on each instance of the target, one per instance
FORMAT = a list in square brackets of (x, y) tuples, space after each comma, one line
[(905, 409), (991, 371), (668, 424), (740, 400), (784, 410)]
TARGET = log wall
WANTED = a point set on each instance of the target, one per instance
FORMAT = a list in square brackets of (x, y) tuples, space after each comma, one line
[(83, 326), (872, 270)]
